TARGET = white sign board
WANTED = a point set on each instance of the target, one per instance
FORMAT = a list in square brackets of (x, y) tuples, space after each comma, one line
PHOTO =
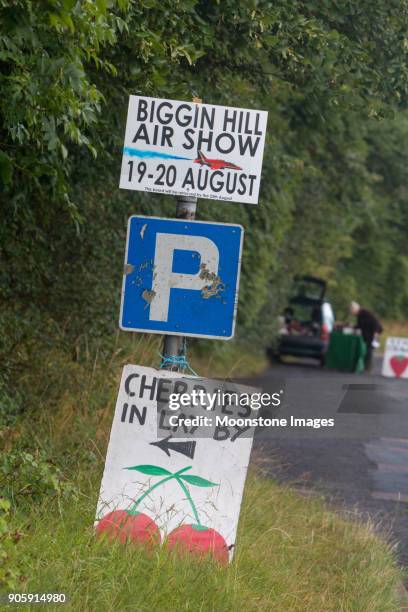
[(395, 360), (202, 150), (185, 491)]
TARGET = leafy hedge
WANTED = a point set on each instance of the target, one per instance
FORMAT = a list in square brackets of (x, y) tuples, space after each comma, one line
[(334, 78)]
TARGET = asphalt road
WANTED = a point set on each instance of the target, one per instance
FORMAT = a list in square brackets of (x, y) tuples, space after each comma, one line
[(360, 464)]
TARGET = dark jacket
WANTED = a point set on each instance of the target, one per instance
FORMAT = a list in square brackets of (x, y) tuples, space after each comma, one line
[(369, 324)]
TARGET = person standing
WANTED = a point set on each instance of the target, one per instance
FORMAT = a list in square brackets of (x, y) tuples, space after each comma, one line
[(369, 326)]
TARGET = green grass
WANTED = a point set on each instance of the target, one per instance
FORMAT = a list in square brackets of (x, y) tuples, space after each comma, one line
[(293, 553)]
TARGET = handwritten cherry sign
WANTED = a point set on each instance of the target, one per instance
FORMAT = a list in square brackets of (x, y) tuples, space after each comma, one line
[(159, 487), (395, 361)]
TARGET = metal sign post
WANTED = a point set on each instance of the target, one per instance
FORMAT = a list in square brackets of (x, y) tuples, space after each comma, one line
[(174, 346), (180, 280), (190, 150)]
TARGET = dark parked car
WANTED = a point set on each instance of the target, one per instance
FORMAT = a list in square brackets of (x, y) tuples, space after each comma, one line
[(307, 321)]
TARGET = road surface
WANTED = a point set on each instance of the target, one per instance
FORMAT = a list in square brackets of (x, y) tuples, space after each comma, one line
[(362, 466)]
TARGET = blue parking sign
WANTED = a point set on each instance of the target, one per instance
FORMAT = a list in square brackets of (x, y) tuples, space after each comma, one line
[(181, 277)]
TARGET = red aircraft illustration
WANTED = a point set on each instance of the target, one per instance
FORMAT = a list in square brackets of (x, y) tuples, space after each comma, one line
[(214, 164)]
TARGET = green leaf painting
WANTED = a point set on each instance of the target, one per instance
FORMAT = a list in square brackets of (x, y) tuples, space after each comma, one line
[(197, 481), (178, 476), (151, 470)]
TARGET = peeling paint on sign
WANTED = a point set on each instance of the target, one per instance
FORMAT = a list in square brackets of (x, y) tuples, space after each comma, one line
[(216, 285), (142, 231), (128, 269), (186, 277), (148, 296)]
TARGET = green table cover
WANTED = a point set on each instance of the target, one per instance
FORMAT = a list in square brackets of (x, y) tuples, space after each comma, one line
[(345, 352)]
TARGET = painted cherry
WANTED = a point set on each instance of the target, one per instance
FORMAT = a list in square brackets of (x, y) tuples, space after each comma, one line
[(127, 526), (398, 364), (195, 539), (198, 540)]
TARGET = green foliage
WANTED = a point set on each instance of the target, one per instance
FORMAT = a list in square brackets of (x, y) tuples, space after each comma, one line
[(380, 242), (9, 573), (333, 198), (28, 478)]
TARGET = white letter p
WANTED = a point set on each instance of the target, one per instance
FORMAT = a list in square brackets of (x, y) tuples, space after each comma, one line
[(164, 279)]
